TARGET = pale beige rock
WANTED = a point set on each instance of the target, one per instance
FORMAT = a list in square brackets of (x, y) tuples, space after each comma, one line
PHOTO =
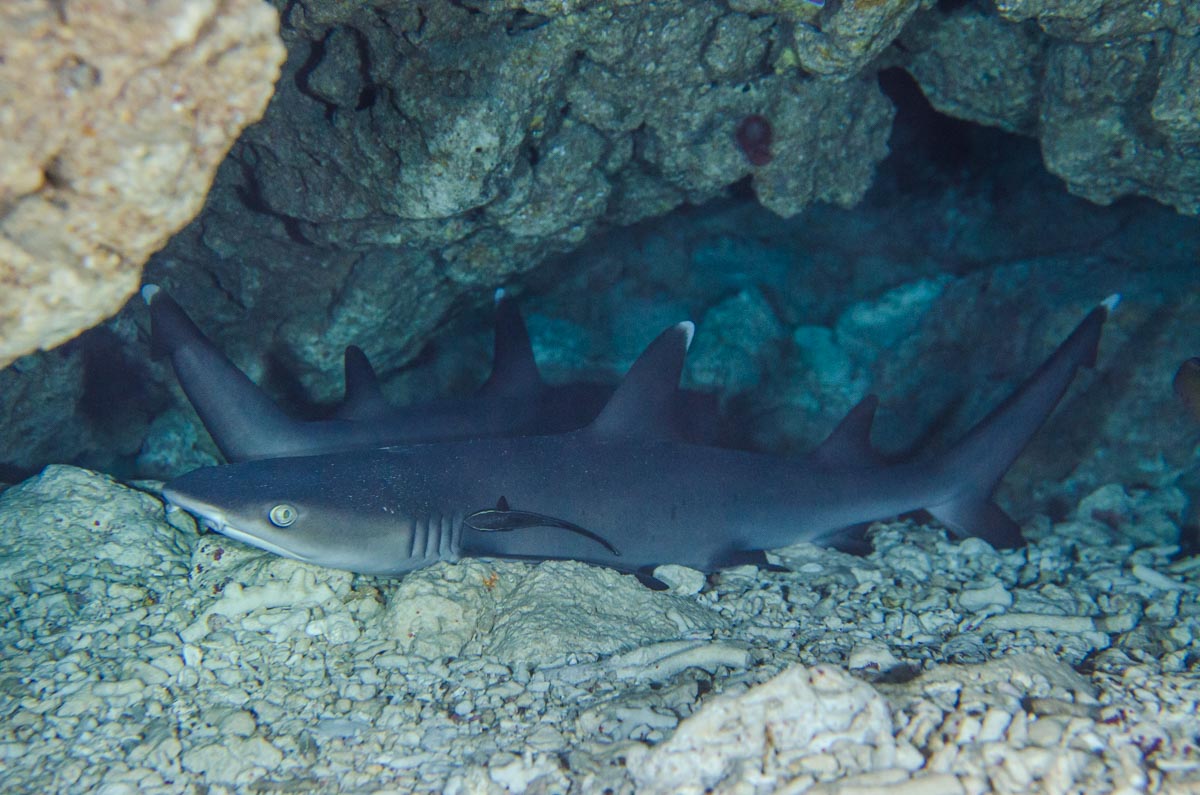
[(113, 118), (819, 722)]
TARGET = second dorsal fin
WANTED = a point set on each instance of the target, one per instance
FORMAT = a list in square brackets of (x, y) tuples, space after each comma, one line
[(364, 399), (849, 444), (514, 371), (644, 404)]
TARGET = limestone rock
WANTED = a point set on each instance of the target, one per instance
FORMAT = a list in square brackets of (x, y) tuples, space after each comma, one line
[(1107, 86), (67, 519), (113, 118), (412, 162), (534, 615), (818, 722)]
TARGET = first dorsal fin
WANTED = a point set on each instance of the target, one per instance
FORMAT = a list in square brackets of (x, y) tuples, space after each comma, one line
[(849, 445), (514, 370), (644, 403), (364, 398)]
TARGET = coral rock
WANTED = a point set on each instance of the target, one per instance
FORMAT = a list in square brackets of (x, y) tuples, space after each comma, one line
[(113, 118)]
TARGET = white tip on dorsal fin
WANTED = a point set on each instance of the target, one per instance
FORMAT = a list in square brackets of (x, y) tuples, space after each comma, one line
[(149, 291), (644, 404), (1111, 302), (689, 328)]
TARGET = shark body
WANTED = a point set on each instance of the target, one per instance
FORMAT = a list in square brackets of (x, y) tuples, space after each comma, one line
[(624, 491), (247, 425)]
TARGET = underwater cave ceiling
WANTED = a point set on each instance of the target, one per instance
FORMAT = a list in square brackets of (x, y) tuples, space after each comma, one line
[(417, 155)]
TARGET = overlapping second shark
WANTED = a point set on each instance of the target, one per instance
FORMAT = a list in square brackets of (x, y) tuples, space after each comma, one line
[(247, 425), (625, 491)]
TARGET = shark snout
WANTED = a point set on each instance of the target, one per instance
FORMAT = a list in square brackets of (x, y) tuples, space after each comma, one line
[(237, 521), (207, 516)]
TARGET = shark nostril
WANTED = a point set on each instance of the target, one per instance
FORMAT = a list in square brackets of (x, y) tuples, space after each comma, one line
[(282, 515)]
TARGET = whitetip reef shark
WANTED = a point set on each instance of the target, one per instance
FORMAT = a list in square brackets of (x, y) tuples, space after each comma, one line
[(623, 492), (247, 425)]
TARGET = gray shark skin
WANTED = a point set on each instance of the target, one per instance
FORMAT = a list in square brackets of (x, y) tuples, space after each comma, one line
[(621, 492), (247, 425)]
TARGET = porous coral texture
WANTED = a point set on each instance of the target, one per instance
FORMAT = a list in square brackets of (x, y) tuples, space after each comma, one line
[(113, 118), (1109, 88)]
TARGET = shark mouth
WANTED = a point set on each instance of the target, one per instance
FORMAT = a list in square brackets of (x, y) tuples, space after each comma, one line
[(209, 518)]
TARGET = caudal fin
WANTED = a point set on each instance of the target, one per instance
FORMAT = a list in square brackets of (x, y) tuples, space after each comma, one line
[(978, 462), (239, 416)]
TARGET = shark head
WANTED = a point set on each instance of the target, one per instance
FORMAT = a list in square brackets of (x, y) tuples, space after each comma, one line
[(314, 509)]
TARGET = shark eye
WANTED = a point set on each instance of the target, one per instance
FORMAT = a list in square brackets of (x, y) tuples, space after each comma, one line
[(282, 515)]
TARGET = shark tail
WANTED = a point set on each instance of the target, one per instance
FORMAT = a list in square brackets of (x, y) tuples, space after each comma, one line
[(978, 462), (243, 421)]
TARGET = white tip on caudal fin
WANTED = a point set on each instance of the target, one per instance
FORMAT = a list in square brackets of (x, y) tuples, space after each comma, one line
[(498, 296), (149, 291), (1111, 302)]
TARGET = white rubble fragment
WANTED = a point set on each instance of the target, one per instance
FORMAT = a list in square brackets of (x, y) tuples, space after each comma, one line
[(1156, 579), (301, 589), (339, 728), (336, 627), (517, 772), (535, 614), (681, 579), (989, 596), (871, 656), (658, 662), (564, 607), (1118, 622), (1048, 623), (806, 719), (228, 760), (893, 782), (239, 723), (807, 558), (545, 738), (661, 661), (192, 654)]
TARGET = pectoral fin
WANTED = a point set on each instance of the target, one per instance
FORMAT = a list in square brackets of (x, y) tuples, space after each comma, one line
[(503, 519)]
